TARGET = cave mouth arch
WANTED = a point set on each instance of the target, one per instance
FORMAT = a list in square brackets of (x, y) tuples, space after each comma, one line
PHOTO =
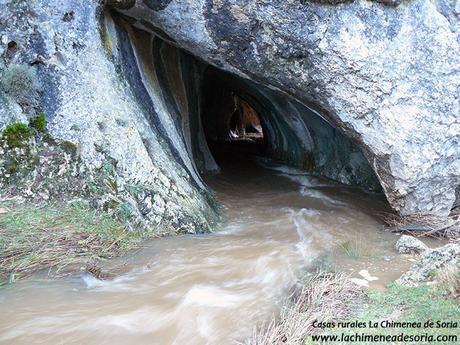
[(289, 132), (191, 104)]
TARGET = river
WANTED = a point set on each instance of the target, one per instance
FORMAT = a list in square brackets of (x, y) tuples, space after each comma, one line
[(216, 288)]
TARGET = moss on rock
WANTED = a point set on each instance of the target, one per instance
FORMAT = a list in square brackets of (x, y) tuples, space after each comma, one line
[(17, 134), (38, 122)]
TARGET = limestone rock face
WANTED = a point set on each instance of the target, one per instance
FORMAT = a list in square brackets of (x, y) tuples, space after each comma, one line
[(86, 90), (386, 76), (410, 245)]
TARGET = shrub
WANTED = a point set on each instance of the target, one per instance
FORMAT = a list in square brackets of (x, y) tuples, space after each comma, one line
[(19, 80)]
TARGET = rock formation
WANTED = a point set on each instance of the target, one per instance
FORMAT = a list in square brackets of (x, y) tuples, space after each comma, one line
[(430, 263), (94, 96), (410, 245), (387, 77), (366, 93)]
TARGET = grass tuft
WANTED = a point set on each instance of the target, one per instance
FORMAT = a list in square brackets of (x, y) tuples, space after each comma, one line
[(354, 249), (38, 122)]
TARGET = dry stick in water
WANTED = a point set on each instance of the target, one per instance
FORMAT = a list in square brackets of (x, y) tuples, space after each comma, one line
[(423, 225)]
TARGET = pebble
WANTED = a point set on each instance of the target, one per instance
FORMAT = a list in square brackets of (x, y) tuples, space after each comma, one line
[(365, 274), (360, 282)]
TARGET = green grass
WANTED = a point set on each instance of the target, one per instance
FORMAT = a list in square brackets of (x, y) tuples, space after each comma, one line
[(354, 250), (404, 304), (58, 237), (417, 304)]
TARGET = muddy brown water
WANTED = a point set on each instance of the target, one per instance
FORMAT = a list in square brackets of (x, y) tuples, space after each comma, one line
[(213, 289)]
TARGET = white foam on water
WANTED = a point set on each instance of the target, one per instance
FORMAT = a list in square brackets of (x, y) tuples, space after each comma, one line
[(233, 228), (141, 321), (213, 296), (316, 194), (119, 283), (308, 231), (297, 175), (204, 323)]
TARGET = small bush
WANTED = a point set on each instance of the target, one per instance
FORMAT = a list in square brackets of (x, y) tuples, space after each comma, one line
[(38, 122), (16, 134), (19, 80)]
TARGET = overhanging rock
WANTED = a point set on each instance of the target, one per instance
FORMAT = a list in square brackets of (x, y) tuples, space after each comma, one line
[(388, 77)]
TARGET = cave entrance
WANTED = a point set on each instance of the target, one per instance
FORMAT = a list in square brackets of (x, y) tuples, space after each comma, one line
[(233, 127), (242, 119), (209, 116)]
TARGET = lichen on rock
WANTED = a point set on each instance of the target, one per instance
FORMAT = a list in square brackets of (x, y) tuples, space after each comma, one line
[(410, 245)]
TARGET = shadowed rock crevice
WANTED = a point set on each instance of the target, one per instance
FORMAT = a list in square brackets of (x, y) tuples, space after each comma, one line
[(120, 4), (293, 134)]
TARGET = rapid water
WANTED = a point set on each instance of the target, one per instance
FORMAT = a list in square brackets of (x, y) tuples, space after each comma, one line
[(213, 289)]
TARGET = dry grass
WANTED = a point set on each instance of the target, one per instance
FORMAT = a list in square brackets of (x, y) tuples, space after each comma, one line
[(325, 297), (424, 225), (449, 279), (58, 237)]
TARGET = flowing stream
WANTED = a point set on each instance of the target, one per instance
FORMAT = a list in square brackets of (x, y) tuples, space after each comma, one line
[(213, 289)]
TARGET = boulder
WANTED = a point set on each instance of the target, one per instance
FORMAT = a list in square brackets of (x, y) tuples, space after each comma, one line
[(92, 93), (410, 245)]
